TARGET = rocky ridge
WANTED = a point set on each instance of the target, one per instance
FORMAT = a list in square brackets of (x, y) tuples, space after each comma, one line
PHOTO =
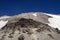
[(28, 28)]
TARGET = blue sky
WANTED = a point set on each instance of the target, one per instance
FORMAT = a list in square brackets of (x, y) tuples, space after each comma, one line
[(13, 7)]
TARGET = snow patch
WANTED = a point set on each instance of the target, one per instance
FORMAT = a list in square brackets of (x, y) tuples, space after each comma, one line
[(2, 23), (4, 17), (55, 21), (35, 14)]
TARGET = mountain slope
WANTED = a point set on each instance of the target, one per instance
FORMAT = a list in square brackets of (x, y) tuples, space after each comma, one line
[(29, 26)]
